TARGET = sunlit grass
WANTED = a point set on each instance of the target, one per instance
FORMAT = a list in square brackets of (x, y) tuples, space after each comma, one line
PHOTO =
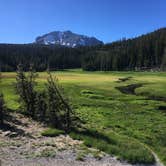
[(126, 116)]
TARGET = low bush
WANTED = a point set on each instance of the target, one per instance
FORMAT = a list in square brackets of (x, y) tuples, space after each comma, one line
[(2, 108), (51, 132)]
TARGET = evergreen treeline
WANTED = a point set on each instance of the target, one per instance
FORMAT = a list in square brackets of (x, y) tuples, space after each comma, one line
[(42, 56), (141, 53)]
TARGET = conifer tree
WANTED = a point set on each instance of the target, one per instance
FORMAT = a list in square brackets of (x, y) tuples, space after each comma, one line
[(163, 64), (25, 89), (59, 110), (2, 104), (2, 108), (49, 105), (41, 106)]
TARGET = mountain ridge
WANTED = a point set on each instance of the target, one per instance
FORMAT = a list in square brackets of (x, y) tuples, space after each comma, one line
[(68, 39)]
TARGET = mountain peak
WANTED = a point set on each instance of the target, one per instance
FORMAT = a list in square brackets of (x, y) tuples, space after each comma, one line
[(67, 38)]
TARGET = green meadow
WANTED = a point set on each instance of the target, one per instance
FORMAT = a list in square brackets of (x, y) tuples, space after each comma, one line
[(129, 124)]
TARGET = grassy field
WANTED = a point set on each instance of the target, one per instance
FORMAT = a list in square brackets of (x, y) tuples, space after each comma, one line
[(126, 125)]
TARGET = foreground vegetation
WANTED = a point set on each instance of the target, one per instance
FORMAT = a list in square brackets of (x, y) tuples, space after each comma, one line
[(127, 125)]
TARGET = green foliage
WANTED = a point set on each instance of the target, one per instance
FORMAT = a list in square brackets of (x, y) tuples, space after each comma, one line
[(25, 89), (141, 53), (2, 104), (46, 153), (81, 156), (53, 103), (52, 132), (58, 110), (129, 121), (41, 56), (85, 91), (94, 96), (49, 105), (2, 108), (124, 147), (41, 106), (91, 95), (163, 64)]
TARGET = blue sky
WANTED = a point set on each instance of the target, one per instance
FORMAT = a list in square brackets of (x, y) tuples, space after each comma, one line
[(21, 21)]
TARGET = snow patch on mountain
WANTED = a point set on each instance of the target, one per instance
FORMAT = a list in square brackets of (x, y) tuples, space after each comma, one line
[(68, 39)]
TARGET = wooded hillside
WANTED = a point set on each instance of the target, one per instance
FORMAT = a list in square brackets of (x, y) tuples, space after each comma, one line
[(142, 53)]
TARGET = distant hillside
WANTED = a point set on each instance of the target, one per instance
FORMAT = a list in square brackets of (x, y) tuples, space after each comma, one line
[(68, 39), (142, 53), (147, 52), (42, 56)]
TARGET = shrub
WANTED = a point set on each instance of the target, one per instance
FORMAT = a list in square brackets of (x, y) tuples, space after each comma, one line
[(50, 105), (25, 89), (2, 104), (2, 108), (41, 106), (51, 132), (58, 108)]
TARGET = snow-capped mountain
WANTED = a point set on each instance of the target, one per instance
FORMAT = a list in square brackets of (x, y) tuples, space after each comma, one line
[(67, 38)]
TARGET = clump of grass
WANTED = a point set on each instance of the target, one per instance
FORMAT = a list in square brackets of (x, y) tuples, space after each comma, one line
[(47, 153), (124, 79), (81, 156), (125, 148), (85, 151), (85, 91), (95, 96), (51, 132), (91, 95), (4, 144), (97, 154)]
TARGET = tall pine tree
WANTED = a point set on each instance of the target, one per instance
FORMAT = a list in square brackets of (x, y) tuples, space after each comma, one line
[(2, 104), (25, 89), (58, 110)]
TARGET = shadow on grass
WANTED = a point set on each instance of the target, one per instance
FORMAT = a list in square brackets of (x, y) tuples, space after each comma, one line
[(129, 89), (124, 148), (95, 134)]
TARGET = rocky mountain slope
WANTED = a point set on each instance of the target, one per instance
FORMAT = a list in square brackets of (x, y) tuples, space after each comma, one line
[(67, 38)]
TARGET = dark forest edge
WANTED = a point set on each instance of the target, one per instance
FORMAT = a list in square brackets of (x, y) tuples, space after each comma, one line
[(147, 52)]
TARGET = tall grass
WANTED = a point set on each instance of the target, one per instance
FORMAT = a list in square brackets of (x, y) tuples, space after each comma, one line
[(124, 120)]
